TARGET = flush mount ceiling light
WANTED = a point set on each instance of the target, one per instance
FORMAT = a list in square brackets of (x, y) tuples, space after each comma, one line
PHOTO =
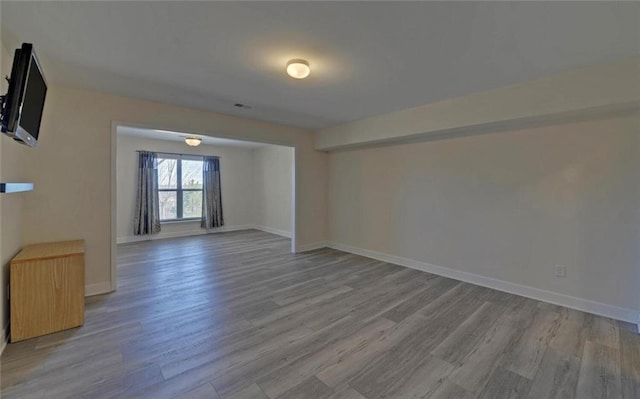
[(298, 69), (193, 141)]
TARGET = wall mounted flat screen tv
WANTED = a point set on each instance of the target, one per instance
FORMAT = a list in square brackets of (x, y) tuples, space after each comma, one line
[(22, 106)]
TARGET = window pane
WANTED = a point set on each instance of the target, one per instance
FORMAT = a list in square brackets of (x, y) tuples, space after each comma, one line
[(191, 174), (191, 204), (167, 173), (168, 205)]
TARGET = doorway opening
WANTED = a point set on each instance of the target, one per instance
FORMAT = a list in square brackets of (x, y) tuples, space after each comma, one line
[(257, 183)]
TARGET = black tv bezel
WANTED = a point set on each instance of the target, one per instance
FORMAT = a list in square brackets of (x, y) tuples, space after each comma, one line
[(12, 113)]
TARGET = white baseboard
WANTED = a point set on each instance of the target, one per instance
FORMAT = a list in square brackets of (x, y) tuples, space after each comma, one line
[(4, 338), (311, 246), (186, 233), (97, 289), (271, 230), (585, 305)]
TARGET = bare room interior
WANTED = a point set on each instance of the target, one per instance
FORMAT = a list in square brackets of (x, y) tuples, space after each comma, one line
[(320, 200)]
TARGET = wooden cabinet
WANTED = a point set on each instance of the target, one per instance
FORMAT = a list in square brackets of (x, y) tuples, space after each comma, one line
[(46, 289)]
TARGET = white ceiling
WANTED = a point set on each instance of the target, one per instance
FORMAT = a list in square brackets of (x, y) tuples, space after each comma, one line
[(167, 135), (366, 58)]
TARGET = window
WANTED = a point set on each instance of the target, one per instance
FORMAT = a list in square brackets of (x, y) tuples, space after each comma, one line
[(180, 187)]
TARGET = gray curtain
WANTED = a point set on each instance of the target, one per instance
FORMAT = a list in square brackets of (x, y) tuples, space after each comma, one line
[(147, 213), (211, 194)]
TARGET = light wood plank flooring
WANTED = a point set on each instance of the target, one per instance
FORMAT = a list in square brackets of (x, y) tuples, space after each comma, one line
[(235, 315)]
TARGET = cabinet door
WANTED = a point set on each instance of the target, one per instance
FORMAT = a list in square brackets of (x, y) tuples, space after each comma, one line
[(47, 295)]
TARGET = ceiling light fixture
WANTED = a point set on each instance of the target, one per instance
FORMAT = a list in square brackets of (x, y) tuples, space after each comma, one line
[(193, 141), (298, 69)]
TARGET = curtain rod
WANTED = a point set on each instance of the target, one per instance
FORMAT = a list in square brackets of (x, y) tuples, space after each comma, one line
[(176, 153)]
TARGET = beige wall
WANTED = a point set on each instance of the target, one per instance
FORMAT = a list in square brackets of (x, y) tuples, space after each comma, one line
[(236, 165), (579, 92), (273, 173), (71, 167), (11, 222), (507, 206)]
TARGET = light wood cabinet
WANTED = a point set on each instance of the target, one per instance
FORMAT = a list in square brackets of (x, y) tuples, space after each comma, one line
[(46, 289)]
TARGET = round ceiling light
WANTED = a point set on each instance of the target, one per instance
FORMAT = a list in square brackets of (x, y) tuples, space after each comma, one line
[(298, 69), (193, 141)]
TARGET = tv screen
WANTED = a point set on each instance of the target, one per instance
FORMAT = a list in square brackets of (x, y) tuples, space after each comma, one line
[(24, 103)]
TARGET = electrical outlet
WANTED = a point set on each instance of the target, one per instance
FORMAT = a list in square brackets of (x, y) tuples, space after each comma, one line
[(560, 271)]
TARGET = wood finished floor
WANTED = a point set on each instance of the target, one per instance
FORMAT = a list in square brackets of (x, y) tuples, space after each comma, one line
[(235, 315)]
